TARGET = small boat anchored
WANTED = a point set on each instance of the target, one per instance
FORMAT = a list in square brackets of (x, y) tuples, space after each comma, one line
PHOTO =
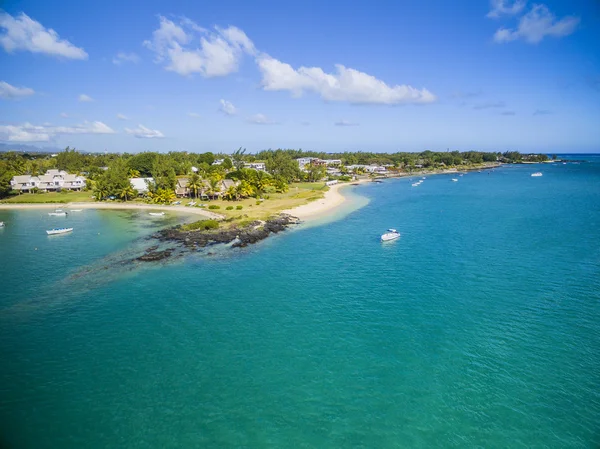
[(1, 224), (156, 214), (454, 179), (58, 213), (537, 174), (59, 231), (391, 234)]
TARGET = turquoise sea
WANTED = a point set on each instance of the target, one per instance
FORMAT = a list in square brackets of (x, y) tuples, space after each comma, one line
[(479, 327)]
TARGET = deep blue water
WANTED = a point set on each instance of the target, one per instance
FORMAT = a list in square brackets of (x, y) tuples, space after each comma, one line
[(479, 327)]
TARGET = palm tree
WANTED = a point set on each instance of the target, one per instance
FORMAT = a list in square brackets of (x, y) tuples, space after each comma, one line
[(195, 184), (127, 192), (213, 186), (231, 194), (261, 181)]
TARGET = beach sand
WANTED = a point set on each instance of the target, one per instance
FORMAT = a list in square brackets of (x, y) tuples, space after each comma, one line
[(317, 209), (116, 206)]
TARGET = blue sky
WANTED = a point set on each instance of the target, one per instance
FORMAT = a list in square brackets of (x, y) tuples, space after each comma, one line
[(330, 76)]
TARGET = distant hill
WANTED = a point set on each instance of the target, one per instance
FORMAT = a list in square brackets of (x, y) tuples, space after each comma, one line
[(4, 147)]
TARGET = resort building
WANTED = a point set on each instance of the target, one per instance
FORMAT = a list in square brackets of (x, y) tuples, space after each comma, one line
[(255, 165), (141, 184), (53, 181)]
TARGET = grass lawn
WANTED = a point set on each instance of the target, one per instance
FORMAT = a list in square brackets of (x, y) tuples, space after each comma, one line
[(298, 194), (50, 197)]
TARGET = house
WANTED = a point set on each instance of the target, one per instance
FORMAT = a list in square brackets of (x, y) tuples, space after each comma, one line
[(256, 165), (329, 162), (332, 182), (304, 161), (54, 180), (141, 184), (181, 188), (218, 161)]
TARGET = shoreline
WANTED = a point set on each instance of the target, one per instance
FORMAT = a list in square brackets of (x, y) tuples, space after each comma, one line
[(112, 206), (333, 198)]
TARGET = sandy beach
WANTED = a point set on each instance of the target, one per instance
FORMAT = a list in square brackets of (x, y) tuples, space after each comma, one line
[(316, 209), (115, 206)]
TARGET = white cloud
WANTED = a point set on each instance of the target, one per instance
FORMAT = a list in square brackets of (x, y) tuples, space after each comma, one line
[(23, 33), (10, 92), (537, 24), (64, 115), (227, 108), (144, 133), (125, 57), (260, 119), (122, 117), (505, 7), (85, 98), (216, 53), (194, 115), (35, 133), (346, 84), (345, 123)]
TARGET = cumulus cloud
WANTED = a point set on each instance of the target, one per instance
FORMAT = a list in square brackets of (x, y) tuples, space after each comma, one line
[(10, 92), (260, 119), (186, 48), (505, 8), (194, 115), (345, 123), (536, 25), (345, 84), (25, 34), (85, 98), (122, 117), (142, 132), (490, 105), (36, 133), (227, 108), (122, 58)]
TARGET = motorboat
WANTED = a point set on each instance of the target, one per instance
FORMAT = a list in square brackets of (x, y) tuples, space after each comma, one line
[(59, 231), (391, 234), (1, 224), (156, 214), (537, 174), (454, 179), (58, 213), (76, 210)]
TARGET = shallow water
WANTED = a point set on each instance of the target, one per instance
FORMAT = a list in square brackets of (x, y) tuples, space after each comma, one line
[(479, 327)]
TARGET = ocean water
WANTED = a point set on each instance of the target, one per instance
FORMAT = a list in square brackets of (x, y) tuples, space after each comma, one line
[(479, 327)]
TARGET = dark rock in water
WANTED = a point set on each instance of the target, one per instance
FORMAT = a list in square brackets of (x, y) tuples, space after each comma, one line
[(240, 236), (153, 256)]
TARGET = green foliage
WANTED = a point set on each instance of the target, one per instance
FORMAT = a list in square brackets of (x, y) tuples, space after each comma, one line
[(214, 206), (239, 207), (227, 164), (202, 225), (142, 163), (229, 208), (163, 172), (315, 172)]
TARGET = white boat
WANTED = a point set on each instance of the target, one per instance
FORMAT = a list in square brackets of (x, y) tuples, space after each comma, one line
[(391, 234), (59, 231), (1, 224), (537, 174), (59, 213), (156, 214), (76, 210), (423, 177), (454, 179), (415, 184)]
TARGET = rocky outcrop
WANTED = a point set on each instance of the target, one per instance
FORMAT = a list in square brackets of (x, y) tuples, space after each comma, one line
[(237, 236)]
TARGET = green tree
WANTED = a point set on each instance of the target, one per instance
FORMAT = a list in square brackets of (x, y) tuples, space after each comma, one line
[(315, 172), (195, 184), (238, 158), (127, 192), (227, 164)]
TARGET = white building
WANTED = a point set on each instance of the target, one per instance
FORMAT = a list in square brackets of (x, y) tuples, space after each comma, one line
[(54, 180), (255, 165), (304, 161), (141, 184), (329, 162)]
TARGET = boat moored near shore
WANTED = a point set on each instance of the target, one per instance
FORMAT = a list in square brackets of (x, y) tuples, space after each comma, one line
[(59, 231), (391, 234)]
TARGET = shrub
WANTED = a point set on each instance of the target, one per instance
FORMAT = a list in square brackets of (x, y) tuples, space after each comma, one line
[(229, 208), (214, 206), (203, 225), (240, 207)]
